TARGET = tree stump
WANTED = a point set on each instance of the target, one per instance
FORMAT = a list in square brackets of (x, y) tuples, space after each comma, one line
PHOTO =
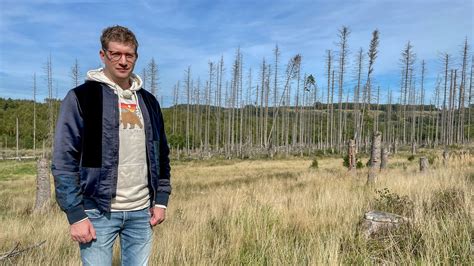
[(377, 222), (43, 186), (384, 160), (351, 153), (374, 165), (424, 164), (445, 157)]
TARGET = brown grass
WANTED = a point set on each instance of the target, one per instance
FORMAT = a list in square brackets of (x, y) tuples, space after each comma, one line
[(273, 212)]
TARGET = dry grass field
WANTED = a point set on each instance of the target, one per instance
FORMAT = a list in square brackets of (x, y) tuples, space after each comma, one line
[(277, 212)]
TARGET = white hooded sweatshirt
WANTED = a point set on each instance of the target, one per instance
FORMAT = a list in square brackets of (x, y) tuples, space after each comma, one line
[(132, 181)]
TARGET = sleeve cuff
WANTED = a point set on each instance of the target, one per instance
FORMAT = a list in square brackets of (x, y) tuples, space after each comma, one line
[(162, 198), (160, 206), (80, 221), (76, 214)]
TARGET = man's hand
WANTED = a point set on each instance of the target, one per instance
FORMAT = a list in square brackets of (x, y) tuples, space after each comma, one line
[(158, 215), (82, 232)]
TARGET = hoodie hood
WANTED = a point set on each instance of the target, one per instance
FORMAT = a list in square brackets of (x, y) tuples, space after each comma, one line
[(99, 76)]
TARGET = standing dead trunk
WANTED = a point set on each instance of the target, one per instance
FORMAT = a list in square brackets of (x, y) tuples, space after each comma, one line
[(43, 187), (424, 164), (445, 157), (384, 161), (374, 158), (413, 148), (351, 153)]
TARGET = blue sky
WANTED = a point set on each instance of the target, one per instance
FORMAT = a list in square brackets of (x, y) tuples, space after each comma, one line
[(179, 34)]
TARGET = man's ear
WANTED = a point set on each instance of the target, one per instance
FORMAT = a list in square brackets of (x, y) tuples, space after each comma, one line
[(102, 55)]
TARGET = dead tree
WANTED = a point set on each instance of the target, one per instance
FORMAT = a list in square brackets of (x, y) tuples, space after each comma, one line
[(34, 114), (343, 36), (43, 187), (407, 60), (424, 164), (374, 158), (153, 76), (351, 153), (445, 157), (384, 161), (329, 115)]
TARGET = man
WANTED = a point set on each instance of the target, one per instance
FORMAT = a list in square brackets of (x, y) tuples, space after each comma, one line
[(110, 161)]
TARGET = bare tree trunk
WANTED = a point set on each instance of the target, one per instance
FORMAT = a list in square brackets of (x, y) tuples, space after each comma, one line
[(332, 112), (328, 113), (351, 153), (219, 103), (422, 101), (153, 74), (343, 35), (75, 73), (49, 79), (188, 93), (444, 111), (437, 96), (34, 115), (43, 187), (357, 118), (275, 98), (384, 161), (424, 164), (462, 93), (469, 103), (374, 158), (408, 59), (17, 140), (374, 42)]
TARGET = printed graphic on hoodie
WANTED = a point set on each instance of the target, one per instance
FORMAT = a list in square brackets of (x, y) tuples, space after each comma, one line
[(129, 117)]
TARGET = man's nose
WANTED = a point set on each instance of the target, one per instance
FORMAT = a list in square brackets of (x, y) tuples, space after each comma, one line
[(123, 60)]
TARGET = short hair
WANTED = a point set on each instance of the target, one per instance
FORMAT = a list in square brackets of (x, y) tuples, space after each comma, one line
[(118, 34)]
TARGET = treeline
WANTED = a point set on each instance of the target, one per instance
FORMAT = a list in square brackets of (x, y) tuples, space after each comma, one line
[(211, 128)]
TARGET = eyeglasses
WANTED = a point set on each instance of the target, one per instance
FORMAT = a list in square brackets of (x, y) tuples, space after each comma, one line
[(116, 56)]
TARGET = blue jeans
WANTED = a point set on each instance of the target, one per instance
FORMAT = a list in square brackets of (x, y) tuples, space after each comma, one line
[(136, 237)]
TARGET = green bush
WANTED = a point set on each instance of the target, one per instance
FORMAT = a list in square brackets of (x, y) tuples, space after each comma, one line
[(345, 162), (411, 158), (315, 163), (394, 203), (358, 165)]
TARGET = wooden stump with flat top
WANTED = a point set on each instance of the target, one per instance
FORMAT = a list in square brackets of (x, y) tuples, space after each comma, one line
[(424, 164), (378, 222), (351, 153)]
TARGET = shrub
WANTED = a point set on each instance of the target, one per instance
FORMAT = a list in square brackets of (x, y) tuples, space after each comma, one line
[(345, 162), (315, 163), (394, 203), (411, 158)]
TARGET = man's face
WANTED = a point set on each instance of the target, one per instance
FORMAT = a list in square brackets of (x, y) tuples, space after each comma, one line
[(119, 60)]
